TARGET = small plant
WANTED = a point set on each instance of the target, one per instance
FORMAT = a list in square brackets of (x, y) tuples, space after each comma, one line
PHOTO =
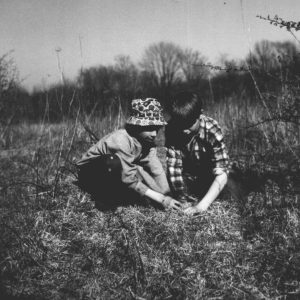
[(277, 21)]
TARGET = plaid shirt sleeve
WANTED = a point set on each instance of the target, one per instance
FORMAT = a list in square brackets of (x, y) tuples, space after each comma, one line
[(174, 170), (215, 137)]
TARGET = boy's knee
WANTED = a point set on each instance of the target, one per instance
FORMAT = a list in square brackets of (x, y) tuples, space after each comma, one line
[(99, 173), (111, 165)]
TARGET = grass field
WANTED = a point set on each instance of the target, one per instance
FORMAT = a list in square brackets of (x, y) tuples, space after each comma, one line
[(56, 245)]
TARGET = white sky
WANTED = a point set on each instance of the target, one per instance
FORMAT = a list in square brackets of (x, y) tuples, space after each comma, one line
[(107, 28)]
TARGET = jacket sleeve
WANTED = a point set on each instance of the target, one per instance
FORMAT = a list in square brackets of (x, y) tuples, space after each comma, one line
[(153, 172), (125, 150), (89, 156)]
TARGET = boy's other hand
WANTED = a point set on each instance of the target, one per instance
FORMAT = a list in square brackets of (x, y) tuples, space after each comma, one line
[(169, 202), (190, 211), (186, 205)]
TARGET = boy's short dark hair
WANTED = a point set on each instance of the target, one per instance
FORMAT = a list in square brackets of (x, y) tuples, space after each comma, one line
[(186, 107)]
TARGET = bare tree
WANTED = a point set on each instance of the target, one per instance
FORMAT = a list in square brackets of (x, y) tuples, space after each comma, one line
[(163, 60), (270, 56), (263, 56), (123, 63), (192, 64), (9, 85), (8, 73)]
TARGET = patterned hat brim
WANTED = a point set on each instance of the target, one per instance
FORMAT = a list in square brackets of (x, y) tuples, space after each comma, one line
[(145, 122)]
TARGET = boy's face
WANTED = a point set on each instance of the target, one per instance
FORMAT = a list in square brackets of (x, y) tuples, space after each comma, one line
[(147, 135), (187, 133), (180, 134)]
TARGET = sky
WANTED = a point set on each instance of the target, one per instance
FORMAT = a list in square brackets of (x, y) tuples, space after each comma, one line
[(93, 32)]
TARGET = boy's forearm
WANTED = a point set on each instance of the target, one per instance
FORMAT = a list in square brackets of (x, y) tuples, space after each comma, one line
[(156, 196), (213, 192), (163, 184)]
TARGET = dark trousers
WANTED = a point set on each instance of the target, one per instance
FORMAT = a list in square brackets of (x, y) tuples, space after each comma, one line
[(101, 178), (198, 175), (199, 182), (198, 185)]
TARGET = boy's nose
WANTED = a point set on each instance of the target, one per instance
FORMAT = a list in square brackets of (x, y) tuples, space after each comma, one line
[(153, 133)]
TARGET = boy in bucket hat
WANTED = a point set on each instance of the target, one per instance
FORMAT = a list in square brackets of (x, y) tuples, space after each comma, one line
[(124, 163)]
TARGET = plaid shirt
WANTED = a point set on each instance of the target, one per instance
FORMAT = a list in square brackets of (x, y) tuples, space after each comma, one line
[(209, 137)]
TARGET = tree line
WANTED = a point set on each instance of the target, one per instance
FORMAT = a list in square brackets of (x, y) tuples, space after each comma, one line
[(164, 69)]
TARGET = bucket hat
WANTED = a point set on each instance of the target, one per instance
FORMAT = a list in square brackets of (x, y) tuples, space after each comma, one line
[(146, 112)]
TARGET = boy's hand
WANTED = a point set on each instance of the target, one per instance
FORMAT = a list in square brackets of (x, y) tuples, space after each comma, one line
[(169, 202), (190, 211), (186, 205)]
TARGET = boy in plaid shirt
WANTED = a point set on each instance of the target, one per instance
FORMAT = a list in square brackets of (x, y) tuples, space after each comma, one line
[(197, 157)]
